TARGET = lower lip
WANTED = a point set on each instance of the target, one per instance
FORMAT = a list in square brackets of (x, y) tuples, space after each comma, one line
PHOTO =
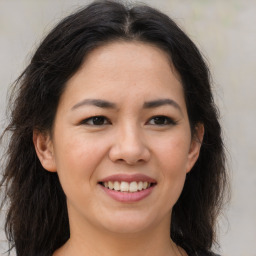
[(128, 197)]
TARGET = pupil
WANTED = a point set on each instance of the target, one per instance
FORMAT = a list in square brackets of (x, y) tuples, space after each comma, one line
[(159, 120), (98, 120)]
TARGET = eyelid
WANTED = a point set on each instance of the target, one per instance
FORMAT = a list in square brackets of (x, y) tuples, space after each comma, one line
[(89, 121), (86, 121), (170, 121)]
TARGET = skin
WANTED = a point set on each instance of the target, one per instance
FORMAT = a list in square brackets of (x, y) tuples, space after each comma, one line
[(129, 140)]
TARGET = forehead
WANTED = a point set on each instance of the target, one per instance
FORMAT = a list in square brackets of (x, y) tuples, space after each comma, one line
[(136, 68), (139, 55)]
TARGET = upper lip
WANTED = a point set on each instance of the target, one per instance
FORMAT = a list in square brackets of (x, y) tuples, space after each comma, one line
[(128, 178)]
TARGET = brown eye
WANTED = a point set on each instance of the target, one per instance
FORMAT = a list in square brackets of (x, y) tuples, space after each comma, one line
[(161, 120), (96, 120)]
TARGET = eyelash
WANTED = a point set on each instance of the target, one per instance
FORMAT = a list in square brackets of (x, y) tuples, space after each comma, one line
[(167, 120), (96, 118), (164, 120)]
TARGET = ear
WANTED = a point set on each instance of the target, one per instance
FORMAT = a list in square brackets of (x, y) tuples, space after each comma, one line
[(195, 146), (44, 150)]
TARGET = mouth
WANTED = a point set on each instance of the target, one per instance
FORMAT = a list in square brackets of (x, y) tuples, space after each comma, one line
[(124, 186), (128, 188)]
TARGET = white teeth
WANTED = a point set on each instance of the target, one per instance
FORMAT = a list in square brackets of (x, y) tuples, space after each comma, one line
[(124, 186), (140, 185), (110, 184), (116, 185), (145, 185), (133, 186)]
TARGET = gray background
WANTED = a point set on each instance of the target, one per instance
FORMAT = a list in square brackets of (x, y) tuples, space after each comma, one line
[(225, 31)]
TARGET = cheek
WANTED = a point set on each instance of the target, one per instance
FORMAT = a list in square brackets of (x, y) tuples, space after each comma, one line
[(77, 159), (77, 163), (172, 161), (173, 154)]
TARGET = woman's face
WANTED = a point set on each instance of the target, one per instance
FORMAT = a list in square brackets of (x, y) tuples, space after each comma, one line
[(121, 141)]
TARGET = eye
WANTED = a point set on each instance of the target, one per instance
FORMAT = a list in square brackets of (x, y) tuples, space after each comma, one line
[(96, 120), (161, 121)]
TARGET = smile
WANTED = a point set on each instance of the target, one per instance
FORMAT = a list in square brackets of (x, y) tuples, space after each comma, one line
[(128, 188), (124, 186)]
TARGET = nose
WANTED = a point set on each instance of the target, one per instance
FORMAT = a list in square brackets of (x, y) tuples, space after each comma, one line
[(129, 147)]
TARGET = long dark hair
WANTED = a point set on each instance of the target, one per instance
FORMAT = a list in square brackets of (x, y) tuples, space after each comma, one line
[(37, 220)]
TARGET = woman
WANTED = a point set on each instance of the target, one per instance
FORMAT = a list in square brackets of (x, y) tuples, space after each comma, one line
[(115, 143)]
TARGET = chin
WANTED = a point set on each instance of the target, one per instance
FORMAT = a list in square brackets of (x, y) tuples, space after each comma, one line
[(128, 223)]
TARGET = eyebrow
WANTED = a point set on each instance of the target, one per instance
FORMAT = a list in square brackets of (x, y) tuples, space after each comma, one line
[(95, 102), (162, 102), (106, 104)]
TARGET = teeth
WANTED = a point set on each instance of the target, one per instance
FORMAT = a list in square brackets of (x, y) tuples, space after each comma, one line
[(124, 186), (140, 185), (116, 185), (110, 184), (133, 186)]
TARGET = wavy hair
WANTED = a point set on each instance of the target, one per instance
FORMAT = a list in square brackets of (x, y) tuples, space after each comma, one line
[(37, 219)]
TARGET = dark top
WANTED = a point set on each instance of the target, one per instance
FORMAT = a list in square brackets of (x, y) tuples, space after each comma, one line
[(204, 254)]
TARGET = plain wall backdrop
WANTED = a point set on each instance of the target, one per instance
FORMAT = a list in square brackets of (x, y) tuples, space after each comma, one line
[(225, 32)]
